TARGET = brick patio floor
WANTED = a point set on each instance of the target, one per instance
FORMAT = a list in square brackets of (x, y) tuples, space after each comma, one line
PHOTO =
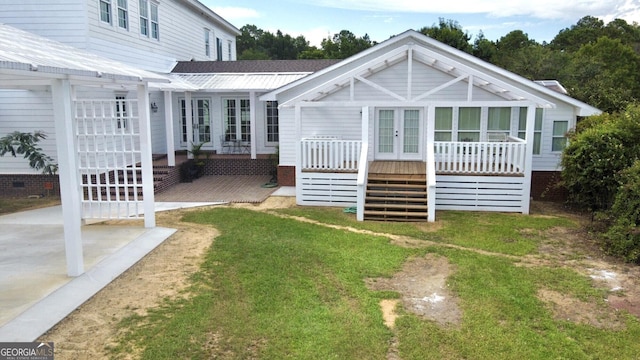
[(231, 188)]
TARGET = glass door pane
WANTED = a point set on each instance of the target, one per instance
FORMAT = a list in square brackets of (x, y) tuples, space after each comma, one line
[(204, 121), (386, 129), (411, 132)]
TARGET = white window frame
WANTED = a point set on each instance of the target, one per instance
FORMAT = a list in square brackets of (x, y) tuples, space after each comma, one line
[(108, 13), (537, 129), (121, 110), (554, 136), (207, 42), (229, 49), (238, 134), (271, 114), (122, 8), (218, 49), (154, 19), (143, 9)]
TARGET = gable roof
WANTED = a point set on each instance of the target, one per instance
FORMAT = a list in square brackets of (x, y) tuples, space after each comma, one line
[(460, 65), (23, 54), (253, 66)]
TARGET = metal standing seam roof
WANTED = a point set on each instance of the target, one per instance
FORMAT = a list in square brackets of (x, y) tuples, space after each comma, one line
[(24, 51), (239, 82)]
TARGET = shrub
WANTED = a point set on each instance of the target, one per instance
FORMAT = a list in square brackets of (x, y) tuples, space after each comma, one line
[(623, 237), (597, 154)]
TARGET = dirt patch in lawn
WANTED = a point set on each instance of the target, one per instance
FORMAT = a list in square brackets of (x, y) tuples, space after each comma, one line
[(422, 285)]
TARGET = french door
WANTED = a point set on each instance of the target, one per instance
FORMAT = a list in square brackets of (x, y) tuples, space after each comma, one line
[(399, 134), (201, 109)]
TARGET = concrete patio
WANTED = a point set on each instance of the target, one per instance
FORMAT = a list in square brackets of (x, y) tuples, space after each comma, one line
[(35, 291)]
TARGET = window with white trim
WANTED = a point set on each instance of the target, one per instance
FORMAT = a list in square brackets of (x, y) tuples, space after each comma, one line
[(105, 11), (155, 26), (218, 49), (272, 122), (229, 49), (207, 43), (537, 128), (237, 119), (498, 122), (144, 17), (443, 124), (121, 111), (469, 123), (123, 14), (559, 136)]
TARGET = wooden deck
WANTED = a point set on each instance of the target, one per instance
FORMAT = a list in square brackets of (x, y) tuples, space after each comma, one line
[(398, 168)]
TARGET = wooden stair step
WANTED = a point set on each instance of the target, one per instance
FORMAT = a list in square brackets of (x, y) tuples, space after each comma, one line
[(374, 199), (395, 179), (396, 206), (396, 192), (398, 186)]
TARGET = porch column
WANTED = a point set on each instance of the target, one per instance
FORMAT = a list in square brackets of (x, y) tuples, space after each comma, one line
[(144, 120), (528, 160), (188, 113), (68, 175), (168, 124), (298, 149), (252, 123)]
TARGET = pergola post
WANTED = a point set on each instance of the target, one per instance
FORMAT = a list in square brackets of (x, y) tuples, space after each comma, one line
[(252, 123), (188, 114), (68, 174), (146, 158), (528, 160), (168, 122)]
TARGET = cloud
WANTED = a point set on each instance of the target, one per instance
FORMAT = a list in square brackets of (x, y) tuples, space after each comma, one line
[(236, 13), (542, 9)]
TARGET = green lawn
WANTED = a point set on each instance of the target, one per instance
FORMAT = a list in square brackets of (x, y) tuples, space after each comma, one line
[(277, 288)]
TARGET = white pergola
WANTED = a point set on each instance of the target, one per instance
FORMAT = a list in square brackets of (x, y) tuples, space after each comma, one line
[(31, 62)]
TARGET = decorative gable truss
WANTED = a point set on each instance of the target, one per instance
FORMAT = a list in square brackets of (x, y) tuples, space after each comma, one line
[(455, 73)]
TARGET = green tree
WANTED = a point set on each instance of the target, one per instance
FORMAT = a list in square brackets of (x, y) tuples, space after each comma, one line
[(345, 44), (605, 74), (484, 48), (19, 143), (450, 33), (587, 30)]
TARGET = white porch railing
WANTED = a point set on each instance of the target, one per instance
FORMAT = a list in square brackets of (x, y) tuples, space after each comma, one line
[(330, 154), (480, 157)]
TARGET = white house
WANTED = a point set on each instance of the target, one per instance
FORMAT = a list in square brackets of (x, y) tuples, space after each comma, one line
[(412, 125), (404, 128)]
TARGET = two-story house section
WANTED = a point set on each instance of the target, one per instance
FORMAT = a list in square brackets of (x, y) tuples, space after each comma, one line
[(152, 35), (148, 34)]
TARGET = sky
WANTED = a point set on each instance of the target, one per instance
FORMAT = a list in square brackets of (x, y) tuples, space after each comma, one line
[(541, 20)]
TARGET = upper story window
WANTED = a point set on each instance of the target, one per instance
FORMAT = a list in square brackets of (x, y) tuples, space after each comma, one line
[(207, 43), (218, 49), (155, 27), (105, 11), (144, 17), (149, 25), (229, 50), (123, 14)]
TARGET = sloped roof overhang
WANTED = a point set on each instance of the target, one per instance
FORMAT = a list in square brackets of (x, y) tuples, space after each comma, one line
[(29, 61)]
